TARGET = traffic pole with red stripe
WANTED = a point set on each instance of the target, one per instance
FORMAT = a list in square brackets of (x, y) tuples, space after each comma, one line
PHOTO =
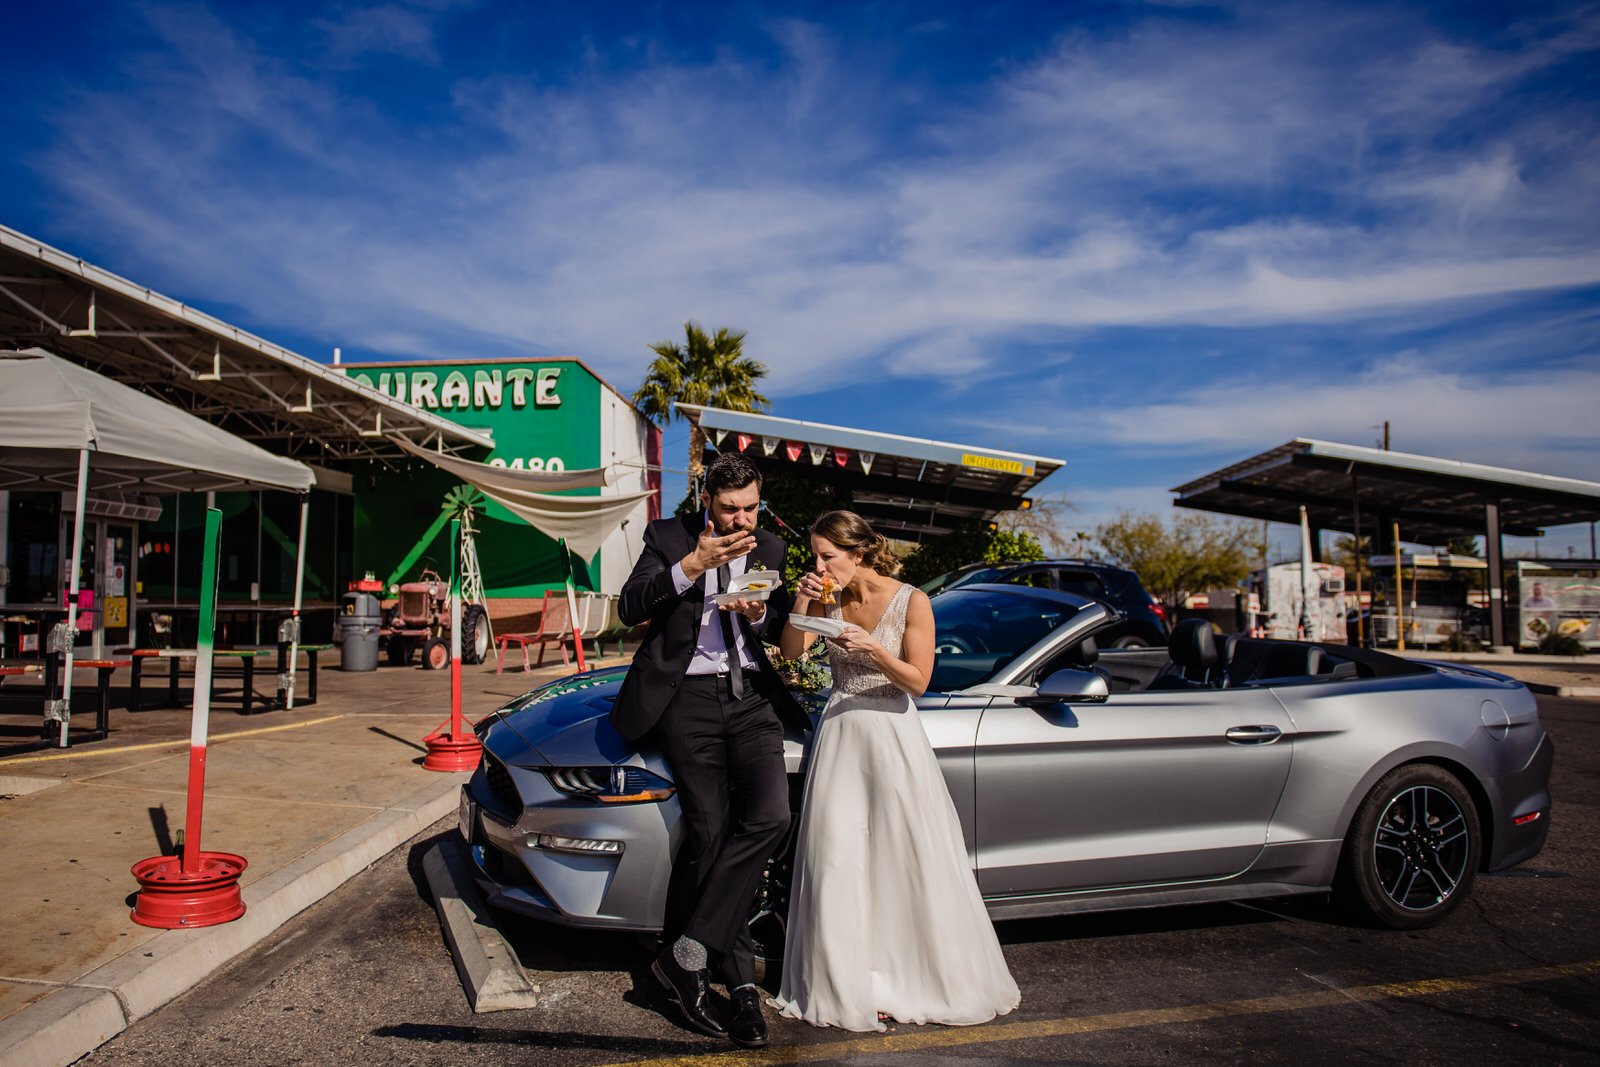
[(197, 888)]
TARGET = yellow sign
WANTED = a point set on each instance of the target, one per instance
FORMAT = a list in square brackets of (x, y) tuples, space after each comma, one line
[(116, 611), (991, 463)]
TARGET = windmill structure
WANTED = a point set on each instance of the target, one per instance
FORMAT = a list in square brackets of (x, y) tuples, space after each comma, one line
[(463, 502)]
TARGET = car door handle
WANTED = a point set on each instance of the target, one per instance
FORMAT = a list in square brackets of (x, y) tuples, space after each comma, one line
[(1254, 735)]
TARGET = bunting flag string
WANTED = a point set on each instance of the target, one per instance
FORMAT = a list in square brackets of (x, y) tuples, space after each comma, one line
[(867, 460), (769, 445), (818, 454), (841, 456), (794, 448), (717, 437), (743, 441)]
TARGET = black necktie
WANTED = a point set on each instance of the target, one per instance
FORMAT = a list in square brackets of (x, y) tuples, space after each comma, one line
[(735, 668)]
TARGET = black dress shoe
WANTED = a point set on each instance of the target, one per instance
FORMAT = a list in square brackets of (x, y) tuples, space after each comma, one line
[(690, 990), (748, 1028)]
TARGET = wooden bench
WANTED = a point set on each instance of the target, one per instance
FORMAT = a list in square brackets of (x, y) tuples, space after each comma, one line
[(555, 627), (176, 656)]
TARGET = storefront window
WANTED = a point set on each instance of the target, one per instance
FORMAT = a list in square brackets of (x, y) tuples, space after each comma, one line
[(35, 552)]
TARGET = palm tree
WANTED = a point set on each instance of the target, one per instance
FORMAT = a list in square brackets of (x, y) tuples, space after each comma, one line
[(708, 370)]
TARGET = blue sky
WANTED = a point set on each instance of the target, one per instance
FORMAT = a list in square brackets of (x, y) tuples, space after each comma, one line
[(1148, 239)]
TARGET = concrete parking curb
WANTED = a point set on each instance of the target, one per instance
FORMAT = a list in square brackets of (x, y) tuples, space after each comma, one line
[(80, 1016), (490, 973)]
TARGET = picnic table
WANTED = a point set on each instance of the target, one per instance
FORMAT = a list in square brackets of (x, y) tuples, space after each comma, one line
[(177, 658)]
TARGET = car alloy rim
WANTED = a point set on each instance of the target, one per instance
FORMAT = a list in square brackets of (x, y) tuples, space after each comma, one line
[(1421, 848)]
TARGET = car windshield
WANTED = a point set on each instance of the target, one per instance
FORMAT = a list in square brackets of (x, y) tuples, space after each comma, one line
[(976, 577), (979, 632)]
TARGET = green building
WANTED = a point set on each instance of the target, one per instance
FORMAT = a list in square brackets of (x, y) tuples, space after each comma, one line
[(545, 415)]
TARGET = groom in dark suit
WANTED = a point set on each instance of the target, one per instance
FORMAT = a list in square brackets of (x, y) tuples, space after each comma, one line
[(702, 689)]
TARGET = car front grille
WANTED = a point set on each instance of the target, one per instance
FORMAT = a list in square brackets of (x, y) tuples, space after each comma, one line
[(414, 604), (507, 801)]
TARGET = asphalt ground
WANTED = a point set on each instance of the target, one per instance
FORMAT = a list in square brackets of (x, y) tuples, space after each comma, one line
[(1514, 975)]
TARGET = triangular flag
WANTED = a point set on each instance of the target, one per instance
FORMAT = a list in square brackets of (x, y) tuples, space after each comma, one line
[(769, 445), (818, 454), (717, 436), (794, 448), (867, 460), (841, 456), (744, 440)]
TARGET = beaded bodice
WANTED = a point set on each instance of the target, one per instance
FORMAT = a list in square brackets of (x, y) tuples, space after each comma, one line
[(854, 673)]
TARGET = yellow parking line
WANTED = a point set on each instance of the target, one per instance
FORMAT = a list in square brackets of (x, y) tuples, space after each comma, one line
[(952, 1037), (179, 741)]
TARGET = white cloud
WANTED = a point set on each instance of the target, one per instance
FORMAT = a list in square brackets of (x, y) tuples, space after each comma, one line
[(1285, 165)]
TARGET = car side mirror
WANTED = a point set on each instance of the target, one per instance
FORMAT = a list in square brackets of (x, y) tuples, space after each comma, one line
[(1068, 687)]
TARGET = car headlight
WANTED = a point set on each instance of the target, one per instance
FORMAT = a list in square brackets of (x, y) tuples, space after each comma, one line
[(611, 785)]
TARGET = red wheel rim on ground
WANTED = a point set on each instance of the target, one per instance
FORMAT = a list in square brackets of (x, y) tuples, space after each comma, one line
[(171, 898), (447, 753)]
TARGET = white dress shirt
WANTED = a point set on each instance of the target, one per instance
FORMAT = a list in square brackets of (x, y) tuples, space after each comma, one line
[(711, 651)]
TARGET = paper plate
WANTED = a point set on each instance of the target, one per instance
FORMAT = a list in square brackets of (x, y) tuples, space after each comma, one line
[(823, 627)]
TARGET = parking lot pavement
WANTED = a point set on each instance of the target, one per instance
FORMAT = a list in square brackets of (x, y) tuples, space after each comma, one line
[(1513, 975), (308, 797)]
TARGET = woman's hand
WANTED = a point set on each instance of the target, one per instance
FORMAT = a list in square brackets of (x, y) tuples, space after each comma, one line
[(855, 639), (809, 587)]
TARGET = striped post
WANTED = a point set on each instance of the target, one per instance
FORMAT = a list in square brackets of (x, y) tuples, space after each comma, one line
[(199, 888), (572, 605), (455, 749)]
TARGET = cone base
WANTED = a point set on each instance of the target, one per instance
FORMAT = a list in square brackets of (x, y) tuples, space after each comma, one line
[(446, 753), (171, 898)]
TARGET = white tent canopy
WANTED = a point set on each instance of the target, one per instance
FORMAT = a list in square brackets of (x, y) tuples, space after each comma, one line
[(55, 414), (51, 410), (583, 522)]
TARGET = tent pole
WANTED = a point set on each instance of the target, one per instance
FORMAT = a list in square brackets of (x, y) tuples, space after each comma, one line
[(72, 595), (299, 585), (572, 605)]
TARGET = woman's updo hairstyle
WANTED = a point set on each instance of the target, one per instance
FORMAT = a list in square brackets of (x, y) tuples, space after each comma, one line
[(853, 534)]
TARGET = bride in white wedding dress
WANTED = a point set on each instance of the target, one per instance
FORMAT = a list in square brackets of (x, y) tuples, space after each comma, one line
[(885, 918)]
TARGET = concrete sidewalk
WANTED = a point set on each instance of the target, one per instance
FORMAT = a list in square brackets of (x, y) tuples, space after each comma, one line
[(308, 797), (1562, 676)]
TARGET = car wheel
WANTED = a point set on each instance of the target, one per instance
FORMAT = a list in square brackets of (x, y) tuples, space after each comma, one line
[(400, 649), (1412, 850), (436, 654), (474, 634), (1130, 641)]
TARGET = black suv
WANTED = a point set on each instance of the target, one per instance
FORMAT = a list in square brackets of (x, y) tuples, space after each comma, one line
[(1144, 620)]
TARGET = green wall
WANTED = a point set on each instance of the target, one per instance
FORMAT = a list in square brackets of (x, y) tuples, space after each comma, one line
[(543, 414)]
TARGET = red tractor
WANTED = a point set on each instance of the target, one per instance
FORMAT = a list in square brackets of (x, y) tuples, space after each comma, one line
[(420, 615)]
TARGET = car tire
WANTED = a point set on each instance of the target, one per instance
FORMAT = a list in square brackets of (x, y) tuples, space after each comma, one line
[(436, 654), (400, 649), (1412, 850), (474, 634), (1130, 641)]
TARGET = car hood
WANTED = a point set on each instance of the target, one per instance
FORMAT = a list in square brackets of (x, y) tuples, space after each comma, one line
[(563, 724)]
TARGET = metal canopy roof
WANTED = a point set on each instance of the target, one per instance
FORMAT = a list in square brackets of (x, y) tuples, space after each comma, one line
[(908, 487), (250, 387), (1433, 499)]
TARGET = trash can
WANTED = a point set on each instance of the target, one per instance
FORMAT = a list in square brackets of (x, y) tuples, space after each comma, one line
[(357, 632)]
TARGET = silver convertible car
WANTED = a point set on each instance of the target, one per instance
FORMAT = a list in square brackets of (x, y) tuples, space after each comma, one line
[(1215, 769)]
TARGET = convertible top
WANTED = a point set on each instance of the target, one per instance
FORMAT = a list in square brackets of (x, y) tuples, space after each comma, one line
[(1377, 664)]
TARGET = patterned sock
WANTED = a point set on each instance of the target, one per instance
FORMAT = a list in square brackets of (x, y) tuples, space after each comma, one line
[(690, 954)]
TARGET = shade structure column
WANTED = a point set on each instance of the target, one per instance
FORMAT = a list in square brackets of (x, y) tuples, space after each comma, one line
[(1492, 549)]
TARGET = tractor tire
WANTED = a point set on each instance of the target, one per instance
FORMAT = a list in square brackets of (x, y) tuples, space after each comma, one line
[(400, 649), (436, 654), (474, 634)]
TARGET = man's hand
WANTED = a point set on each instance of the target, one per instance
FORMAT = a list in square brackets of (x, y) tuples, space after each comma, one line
[(750, 609), (712, 551)]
